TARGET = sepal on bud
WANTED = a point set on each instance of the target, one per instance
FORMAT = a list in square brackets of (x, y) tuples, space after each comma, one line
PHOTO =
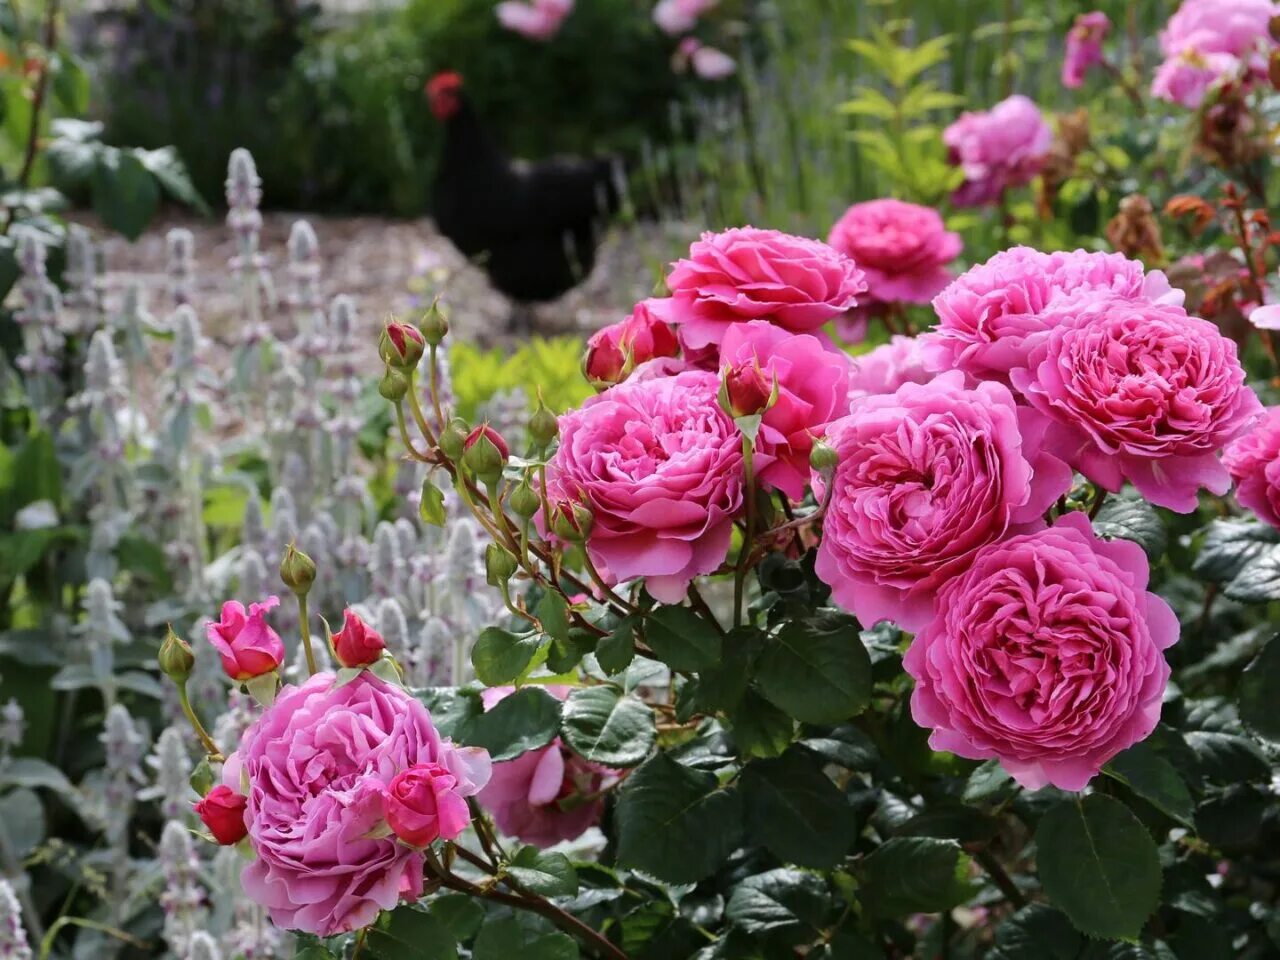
[(499, 564), (176, 658), (297, 570), (745, 391), (823, 459), (401, 345), (393, 386), (524, 500), (453, 439), (544, 426), (434, 325), (485, 453), (571, 521)]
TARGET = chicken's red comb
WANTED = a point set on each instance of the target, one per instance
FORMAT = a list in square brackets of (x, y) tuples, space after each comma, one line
[(447, 80)]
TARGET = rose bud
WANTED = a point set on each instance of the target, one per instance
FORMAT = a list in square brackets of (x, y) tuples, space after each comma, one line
[(422, 804), (357, 644), (176, 658), (544, 426), (571, 521), (745, 390), (248, 647), (615, 351), (453, 438), (485, 453), (434, 325), (393, 386), (222, 811), (401, 345), (297, 570), (524, 500), (499, 564), (604, 362)]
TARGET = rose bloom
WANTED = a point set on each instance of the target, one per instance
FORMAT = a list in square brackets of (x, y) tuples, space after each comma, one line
[(902, 248), (1046, 654), (675, 17), (422, 805), (1084, 47), (222, 811), (545, 796), (813, 389), (1187, 77), (315, 767), (615, 351), (248, 647), (926, 476), (750, 274), (1208, 40), (888, 367), (535, 20), (992, 315), (660, 466), (1254, 464), (1140, 392), (1000, 148), (357, 644)]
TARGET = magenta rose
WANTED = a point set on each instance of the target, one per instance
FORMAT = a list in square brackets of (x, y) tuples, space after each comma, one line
[(1084, 47), (925, 477), (316, 767), (1046, 654), (545, 796), (422, 805), (902, 248), (992, 315), (614, 352), (357, 644), (660, 466), (888, 367), (1207, 41), (812, 390), (1140, 392), (1003, 147), (248, 647), (750, 274), (1253, 461)]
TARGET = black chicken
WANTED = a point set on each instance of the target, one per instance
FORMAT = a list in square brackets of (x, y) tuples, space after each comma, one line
[(533, 227)]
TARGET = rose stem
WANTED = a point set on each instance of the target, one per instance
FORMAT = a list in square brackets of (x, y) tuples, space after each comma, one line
[(306, 633), (210, 747)]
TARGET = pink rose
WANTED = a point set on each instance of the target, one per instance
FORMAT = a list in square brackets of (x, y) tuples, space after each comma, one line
[(545, 796), (248, 647), (1046, 654), (357, 644), (422, 804), (1084, 47), (675, 17), (1187, 77), (614, 352), (535, 20), (316, 766), (888, 367), (1207, 41), (222, 811), (902, 248), (1139, 392), (709, 63), (813, 387), (1253, 461), (749, 274), (992, 315), (1000, 148), (1266, 318), (660, 466), (925, 477)]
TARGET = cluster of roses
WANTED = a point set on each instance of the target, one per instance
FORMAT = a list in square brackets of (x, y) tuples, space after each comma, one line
[(1035, 643)]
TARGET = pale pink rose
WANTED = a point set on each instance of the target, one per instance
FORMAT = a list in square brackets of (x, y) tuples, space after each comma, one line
[(1208, 41), (1084, 47), (1186, 78), (812, 389), (535, 20), (902, 248), (1046, 654), (993, 314), (315, 767), (1253, 461), (709, 63), (888, 367), (1003, 147), (1140, 392), (926, 476), (675, 17), (1266, 318), (248, 647), (746, 274), (545, 796), (659, 464)]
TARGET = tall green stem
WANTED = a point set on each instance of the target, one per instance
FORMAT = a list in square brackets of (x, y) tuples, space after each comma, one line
[(305, 627), (740, 575), (210, 747)]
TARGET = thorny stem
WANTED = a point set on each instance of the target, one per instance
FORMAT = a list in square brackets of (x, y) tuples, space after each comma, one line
[(609, 592), (695, 597), (433, 385), (415, 405), (210, 747), (740, 574), (360, 941), (1000, 877), (1096, 506), (305, 626)]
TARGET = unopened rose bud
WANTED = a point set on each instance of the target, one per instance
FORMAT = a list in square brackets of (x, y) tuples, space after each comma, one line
[(571, 521), (394, 385), (453, 439), (222, 811), (746, 390), (357, 644), (401, 345), (544, 427), (176, 658), (434, 325), (485, 453), (524, 500), (823, 458), (499, 564), (604, 363), (297, 570)]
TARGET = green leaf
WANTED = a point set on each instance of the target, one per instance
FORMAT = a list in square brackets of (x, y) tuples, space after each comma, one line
[(124, 192), (1037, 932), (681, 639), (553, 614), (167, 167), (22, 821), (1231, 544), (500, 656), (845, 745), (526, 720), (1099, 865), (1227, 757), (1258, 580), (779, 901), (759, 728), (1132, 518), (987, 779), (794, 809), (817, 669), (615, 652), (410, 934), (914, 875), (460, 914), (602, 725), (1260, 691), (431, 506), (1155, 779), (506, 939), (548, 874), (674, 823), (33, 773)]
